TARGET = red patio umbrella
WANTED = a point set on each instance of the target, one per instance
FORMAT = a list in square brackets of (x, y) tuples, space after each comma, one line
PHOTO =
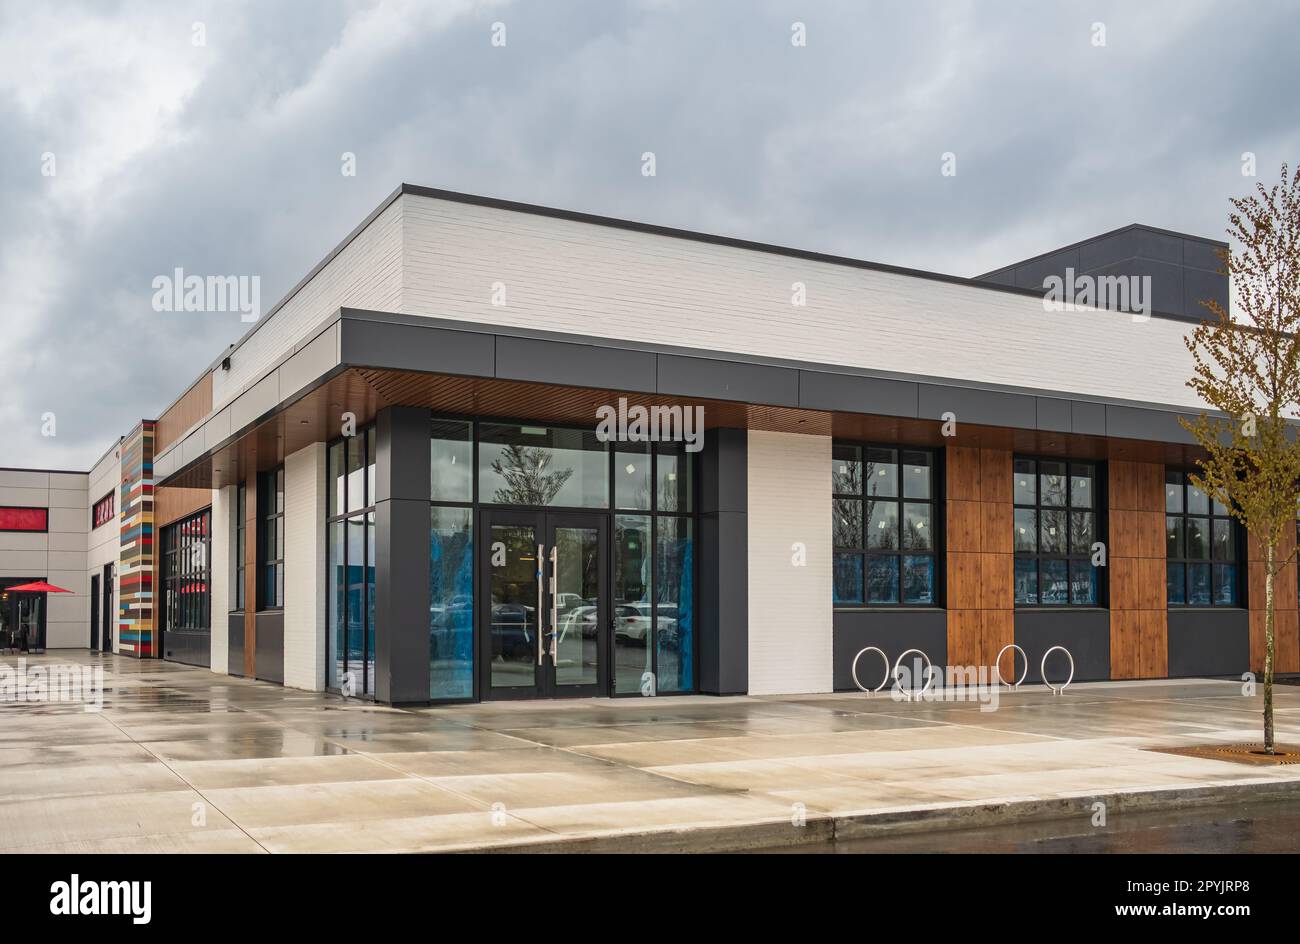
[(36, 586)]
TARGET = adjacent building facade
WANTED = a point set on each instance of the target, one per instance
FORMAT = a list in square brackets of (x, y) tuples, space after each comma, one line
[(398, 486)]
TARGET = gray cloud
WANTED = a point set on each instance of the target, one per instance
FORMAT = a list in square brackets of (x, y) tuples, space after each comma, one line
[(225, 158)]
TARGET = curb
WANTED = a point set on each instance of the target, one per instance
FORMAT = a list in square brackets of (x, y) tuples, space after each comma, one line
[(821, 829)]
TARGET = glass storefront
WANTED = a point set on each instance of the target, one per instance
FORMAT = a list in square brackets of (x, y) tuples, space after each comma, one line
[(22, 616), (629, 579), (186, 607), (451, 603), (350, 565), (607, 608)]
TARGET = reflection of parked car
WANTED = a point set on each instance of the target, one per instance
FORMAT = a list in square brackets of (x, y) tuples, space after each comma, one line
[(582, 619), (568, 601), (447, 622), (512, 630), (633, 621)]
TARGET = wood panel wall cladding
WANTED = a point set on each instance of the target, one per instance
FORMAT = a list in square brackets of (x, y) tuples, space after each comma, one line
[(980, 562), (1139, 621)]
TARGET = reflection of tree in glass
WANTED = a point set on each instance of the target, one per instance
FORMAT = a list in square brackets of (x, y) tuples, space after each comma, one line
[(848, 478), (527, 481)]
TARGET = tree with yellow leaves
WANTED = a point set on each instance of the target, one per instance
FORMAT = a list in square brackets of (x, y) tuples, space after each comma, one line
[(1247, 368)]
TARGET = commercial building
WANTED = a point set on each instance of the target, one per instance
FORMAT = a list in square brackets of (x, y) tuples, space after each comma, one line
[(397, 484)]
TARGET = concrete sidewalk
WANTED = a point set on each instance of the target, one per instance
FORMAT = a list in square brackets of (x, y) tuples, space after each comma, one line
[(181, 760)]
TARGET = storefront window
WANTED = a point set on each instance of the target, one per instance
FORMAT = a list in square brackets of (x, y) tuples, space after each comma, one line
[(451, 461), (674, 610), (451, 603), (883, 526), (633, 582), (542, 466), (350, 660)]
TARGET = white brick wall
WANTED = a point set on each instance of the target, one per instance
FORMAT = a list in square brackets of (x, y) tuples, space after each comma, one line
[(790, 632), (223, 522), (433, 257), (304, 568), (584, 278)]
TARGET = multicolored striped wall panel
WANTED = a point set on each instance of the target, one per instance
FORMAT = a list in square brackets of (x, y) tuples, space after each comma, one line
[(135, 569)]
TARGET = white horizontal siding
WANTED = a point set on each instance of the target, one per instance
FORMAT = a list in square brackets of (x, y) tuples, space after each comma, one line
[(578, 277), (790, 632)]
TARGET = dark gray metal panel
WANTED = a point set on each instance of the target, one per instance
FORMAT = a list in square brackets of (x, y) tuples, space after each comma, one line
[(827, 391), (727, 380), (402, 598), (986, 407), (1031, 273), (724, 604), (235, 643), (1134, 423), (402, 447), (724, 563), (724, 471), (1166, 282), (1107, 250), (417, 347), (577, 365), (1087, 418), (1053, 414), (1200, 254), (190, 648), (894, 631), (1198, 286), (1151, 244), (1208, 642), (1086, 633), (1005, 276), (269, 664)]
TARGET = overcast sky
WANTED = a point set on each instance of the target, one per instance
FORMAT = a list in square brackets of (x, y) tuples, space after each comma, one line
[(224, 157)]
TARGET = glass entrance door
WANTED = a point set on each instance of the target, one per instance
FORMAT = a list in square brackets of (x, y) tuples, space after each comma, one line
[(545, 610)]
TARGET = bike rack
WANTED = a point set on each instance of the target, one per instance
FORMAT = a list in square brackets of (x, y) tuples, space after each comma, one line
[(997, 665), (914, 695), (884, 681), (1042, 670)]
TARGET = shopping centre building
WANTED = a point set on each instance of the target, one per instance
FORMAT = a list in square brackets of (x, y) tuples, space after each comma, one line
[(490, 450)]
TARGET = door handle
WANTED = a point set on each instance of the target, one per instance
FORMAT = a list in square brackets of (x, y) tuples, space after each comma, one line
[(555, 603), (540, 581)]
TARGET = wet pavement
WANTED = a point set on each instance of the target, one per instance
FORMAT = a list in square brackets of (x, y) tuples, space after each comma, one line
[(181, 759)]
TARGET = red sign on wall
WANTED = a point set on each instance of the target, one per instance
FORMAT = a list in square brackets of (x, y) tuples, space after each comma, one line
[(24, 519)]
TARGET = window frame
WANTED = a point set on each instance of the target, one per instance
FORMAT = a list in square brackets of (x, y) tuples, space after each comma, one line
[(367, 436), (241, 545), (270, 515), (193, 610), (1100, 524), (44, 512), (1238, 560), (107, 502), (937, 527)]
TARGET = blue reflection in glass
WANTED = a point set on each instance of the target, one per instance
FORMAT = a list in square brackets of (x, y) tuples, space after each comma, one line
[(918, 579), (882, 579), (674, 591), (451, 604), (1055, 585), (847, 582), (1026, 581)]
